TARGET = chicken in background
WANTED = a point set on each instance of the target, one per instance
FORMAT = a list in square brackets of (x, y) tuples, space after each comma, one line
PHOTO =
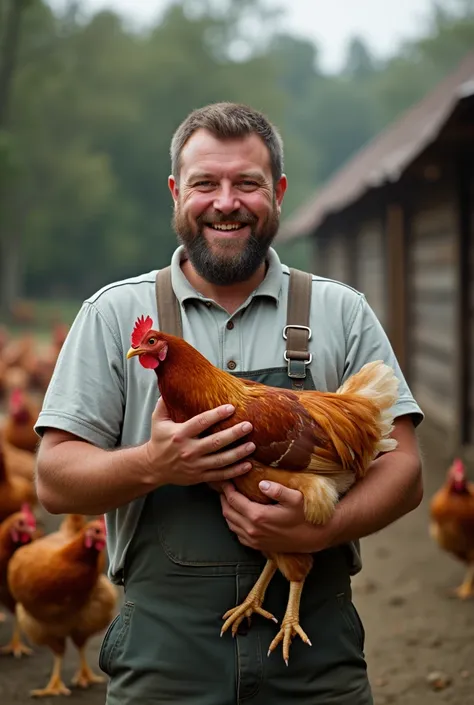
[(452, 522), (22, 414), (17, 530), (15, 490), (61, 594), (20, 463), (318, 443)]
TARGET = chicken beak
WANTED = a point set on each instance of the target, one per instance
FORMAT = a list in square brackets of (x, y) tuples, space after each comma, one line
[(132, 352)]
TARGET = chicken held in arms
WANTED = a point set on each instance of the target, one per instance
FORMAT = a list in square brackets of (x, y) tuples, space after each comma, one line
[(452, 522), (317, 443)]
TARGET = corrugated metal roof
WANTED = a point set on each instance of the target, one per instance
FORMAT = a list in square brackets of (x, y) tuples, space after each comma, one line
[(385, 158)]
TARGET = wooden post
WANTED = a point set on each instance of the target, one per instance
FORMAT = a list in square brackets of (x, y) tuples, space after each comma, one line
[(397, 276)]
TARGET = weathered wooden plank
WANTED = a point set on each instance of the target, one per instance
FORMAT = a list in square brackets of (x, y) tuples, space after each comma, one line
[(432, 339), (434, 407), (434, 375), (438, 250), (441, 279), (438, 218)]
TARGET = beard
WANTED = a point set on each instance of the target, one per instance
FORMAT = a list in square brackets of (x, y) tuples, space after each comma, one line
[(228, 267)]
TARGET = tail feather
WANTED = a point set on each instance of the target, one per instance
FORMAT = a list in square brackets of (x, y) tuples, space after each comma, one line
[(357, 419), (377, 381)]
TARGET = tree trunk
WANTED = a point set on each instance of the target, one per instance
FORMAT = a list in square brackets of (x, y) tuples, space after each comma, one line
[(9, 240)]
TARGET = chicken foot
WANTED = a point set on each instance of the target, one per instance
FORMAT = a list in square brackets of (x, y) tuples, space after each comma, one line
[(290, 625), (16, 646), (55, 685), (466, 589), (252, 603), (85, 676)]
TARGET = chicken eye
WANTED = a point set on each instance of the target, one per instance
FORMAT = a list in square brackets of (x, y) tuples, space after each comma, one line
[(151, 341)]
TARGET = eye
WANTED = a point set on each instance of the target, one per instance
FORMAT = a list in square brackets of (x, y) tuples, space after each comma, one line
[(151, 341)]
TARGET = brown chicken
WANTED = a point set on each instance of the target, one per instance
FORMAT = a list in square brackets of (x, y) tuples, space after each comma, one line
[(23, 411), (318, 443), (15, 531), (452, 522), (18, 462), (61, 593), (14, 489)]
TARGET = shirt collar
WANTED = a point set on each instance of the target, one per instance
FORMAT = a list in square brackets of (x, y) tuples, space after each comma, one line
[(269, 287)]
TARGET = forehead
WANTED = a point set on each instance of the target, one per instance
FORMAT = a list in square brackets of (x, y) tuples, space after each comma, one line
[(204, 152)]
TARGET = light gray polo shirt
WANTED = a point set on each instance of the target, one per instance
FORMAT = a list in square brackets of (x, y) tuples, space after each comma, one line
[(98, 395)]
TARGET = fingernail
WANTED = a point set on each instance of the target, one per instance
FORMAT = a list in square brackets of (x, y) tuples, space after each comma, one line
[(264, 485), (247, 466), (250, 447), (229, 408), (246, 427)]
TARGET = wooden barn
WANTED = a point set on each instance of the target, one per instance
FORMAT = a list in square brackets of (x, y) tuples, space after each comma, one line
[(396, 222)]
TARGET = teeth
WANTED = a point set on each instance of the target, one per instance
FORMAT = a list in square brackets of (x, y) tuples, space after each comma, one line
[(225, 226)]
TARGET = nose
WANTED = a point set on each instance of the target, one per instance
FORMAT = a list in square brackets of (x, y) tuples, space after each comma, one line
[(226, 200)]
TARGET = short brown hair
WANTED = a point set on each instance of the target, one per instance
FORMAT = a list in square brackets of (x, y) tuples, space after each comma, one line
[(227, 121)]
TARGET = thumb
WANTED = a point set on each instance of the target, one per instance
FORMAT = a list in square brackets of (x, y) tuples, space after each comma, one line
[(280, 493), (161, 412)]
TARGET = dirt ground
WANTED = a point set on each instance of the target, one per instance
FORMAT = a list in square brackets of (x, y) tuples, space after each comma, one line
[(414, 629)]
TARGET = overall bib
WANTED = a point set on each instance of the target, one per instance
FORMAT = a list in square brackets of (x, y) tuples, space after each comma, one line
[(184, 569)]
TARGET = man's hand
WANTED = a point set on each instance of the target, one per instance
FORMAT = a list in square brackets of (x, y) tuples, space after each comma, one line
[(176, 455), (272, 527)]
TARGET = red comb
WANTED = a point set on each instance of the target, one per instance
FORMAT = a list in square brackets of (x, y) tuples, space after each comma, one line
[(458, 468), (30, 517), (142, 326)]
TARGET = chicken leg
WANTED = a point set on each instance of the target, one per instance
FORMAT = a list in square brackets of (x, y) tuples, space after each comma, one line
[(466, 589), (252, 603), (55, 685), (16, 646), (84, 676), (290, 625)]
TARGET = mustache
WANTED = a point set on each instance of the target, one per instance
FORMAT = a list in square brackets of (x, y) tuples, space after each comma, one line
[(240, 216)]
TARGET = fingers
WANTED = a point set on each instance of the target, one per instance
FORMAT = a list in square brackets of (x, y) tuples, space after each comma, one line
[(283, 495), (195, 426), (219, 476), (216, 441)]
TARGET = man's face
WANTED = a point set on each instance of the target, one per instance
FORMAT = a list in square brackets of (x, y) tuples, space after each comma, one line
[(227, 210)]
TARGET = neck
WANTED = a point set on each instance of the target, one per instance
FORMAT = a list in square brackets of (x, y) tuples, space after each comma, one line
[(229, 297), (206, 386)]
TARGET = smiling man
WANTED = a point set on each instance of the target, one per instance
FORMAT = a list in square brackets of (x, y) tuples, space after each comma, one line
[(184, 552)]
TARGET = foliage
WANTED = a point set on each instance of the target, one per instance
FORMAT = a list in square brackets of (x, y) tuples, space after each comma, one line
[(94, 105)]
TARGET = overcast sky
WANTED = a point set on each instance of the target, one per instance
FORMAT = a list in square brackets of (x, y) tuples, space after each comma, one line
[(384, 23)]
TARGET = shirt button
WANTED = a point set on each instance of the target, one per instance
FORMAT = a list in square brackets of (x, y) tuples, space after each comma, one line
[(231, 365), (230, 325), (208, 304)]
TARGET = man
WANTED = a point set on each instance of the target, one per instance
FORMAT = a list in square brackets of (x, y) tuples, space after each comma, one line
[(168, 542)]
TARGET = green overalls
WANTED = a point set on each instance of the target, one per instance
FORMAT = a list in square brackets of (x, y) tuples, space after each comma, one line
[(183, 570)]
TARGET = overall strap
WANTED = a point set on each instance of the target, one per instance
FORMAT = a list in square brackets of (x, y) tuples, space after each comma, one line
[(297, 332), (169, 314)]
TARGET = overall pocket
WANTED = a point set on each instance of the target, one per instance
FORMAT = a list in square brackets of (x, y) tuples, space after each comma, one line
[(115, 637)]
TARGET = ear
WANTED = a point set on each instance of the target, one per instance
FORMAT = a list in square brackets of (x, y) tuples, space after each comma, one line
[(173, 187), (280, 190)]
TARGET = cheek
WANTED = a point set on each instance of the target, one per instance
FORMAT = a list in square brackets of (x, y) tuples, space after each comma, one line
[(196, 204)]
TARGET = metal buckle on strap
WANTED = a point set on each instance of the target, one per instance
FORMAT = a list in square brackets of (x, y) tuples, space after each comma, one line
[(299, 328), (297, 368)]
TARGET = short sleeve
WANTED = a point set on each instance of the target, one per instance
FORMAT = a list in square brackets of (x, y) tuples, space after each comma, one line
[(86, 393), (367, 341)]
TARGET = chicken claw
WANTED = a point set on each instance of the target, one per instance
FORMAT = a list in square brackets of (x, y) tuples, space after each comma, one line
[(252, 603), (85, 676), (290, 626), (16, 649), (466, 590), (16, 646), (55, 685)]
